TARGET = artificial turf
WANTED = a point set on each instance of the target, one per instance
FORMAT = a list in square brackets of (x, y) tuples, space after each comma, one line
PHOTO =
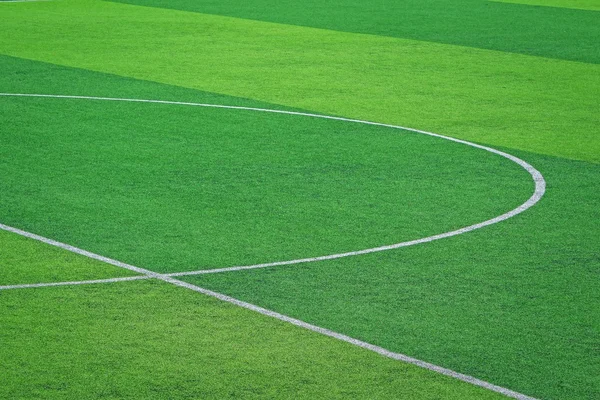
[(576, 4), (542, 105), (513, 303), (25, 261), (533, 326), (150, 340), (175, 188), (519, 28)]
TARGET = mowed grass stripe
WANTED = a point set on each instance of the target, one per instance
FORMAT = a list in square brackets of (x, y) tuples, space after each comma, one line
[(25, 261), (492, 97), (518, 28), (149, 340), (574, 4)]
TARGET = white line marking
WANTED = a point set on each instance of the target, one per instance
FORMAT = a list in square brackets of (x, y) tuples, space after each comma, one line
[(166, 278), (540, 187), (379, 350), (540, 183), (74, 283), (77, 250), (21, 1)]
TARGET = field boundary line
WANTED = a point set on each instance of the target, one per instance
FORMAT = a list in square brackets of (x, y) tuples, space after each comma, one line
[(537, 177), (147, 274), (74, 283)]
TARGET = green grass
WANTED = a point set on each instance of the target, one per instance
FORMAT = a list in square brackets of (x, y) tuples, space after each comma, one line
[(150, 340), (503, 99), (518, 28), (514, 303), (593, 5), (174, 188), (533, 325), (27, 261)]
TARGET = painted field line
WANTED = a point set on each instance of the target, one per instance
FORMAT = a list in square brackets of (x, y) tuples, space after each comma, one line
[(74, 283), (77, 250), (339, 336), (540, 185), (538, 179), (21, 1), (323, 331)]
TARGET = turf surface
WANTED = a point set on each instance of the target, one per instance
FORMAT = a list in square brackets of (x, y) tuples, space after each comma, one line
[(593, 5), (533, 327), (24, 261), (514, 303), (175, 188), (518, 28), (150, 340), (493, 97)]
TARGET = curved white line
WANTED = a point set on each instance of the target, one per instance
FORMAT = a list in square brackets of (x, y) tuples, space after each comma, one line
[(540, 186), (538, 179), (323, 331)]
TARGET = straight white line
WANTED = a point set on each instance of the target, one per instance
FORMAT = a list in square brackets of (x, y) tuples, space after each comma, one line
[(539, 191), (379, 350), (323, 331), (77, 250), (74, 283), (538, 179), (21, 1)]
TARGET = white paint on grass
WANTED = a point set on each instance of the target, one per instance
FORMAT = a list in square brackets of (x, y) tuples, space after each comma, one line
[(538, 193), (74, 283), (76, 250), (21, 1), (323, 331), (538, 179), (379, 350)]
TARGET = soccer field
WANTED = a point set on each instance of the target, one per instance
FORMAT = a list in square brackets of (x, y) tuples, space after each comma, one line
[(282, 199)]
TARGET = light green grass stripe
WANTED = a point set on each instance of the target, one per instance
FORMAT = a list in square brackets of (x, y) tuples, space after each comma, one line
[(21, 1), (73, 283), (26, 261), (492, 97), (593, 5)]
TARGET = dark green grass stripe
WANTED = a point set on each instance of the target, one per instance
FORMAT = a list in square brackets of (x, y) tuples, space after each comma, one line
[(25, 261), (137, 183), (533, 326), (541, 31), (105, 177)]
